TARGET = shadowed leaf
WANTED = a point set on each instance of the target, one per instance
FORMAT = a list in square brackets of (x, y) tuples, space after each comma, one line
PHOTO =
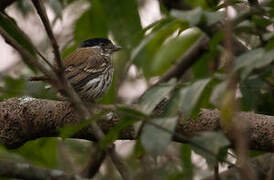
[(41, 152), (91, 24), (123, 21), (152, 97), (193, 17), (191, 95), (253, 59), (186, 161), (215, 142), (173, 50), (144, 53), (154, 139)]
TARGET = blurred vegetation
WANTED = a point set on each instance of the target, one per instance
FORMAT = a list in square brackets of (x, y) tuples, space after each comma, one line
[(153, 50)]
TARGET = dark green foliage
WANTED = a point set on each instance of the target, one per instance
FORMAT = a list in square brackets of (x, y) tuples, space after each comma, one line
[(41, 152), (211, 146), (153, 50)]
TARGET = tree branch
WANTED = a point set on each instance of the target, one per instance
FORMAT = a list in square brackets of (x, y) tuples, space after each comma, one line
[(44, 18), (24, 119), (31, 60), (27, 171), (94, 164), (5, 3), (190, 57)]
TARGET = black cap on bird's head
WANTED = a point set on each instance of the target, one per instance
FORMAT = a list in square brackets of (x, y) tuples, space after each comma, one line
[(100, 42)]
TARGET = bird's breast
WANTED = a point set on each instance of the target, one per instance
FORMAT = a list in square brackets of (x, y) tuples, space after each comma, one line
[(96, 87)]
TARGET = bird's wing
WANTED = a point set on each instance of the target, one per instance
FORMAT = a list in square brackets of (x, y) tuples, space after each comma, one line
[(84, 65)]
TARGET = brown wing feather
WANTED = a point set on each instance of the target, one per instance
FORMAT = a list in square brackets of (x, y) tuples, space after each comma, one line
[(83, 65), (84, 55)]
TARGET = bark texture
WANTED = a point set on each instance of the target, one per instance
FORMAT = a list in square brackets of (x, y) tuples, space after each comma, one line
[(23, 119)]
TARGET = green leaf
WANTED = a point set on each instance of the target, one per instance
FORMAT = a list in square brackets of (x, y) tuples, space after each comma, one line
[(143, 54), (123, 21), (203, 67), (155, 26), (132, 112), (72, 129), (153, 96), (173, 50), (197, 16), (217, 93), (10, 26), (213, 142), (41, 152), (253, 59), (261, 21), (191, 95), (198, 3), (174, 104), (12, 87), (186, 161), (139, 150), (91, 24), (155, 138), (193, 17), (251, 89), (187, 100), (213, 17)]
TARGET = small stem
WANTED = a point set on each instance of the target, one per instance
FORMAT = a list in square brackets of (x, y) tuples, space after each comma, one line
[(44, 18)]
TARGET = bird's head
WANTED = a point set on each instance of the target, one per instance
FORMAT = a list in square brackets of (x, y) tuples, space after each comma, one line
[(105, 46)]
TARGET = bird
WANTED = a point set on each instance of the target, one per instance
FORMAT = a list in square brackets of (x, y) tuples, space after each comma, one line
[(89, 68)]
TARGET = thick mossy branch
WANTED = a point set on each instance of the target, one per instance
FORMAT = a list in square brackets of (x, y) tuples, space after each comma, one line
[(25, 118)]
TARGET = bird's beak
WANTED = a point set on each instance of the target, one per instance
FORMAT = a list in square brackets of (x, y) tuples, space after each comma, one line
[(117, 48)]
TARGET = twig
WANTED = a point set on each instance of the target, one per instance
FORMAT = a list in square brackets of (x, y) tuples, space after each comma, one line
[(216, 172), (44, 59), (230, 105), (94, 164), (65, 156), (42, 13), (26, 54), (27, 171), (5, 3), (190, 57), (6, 16)]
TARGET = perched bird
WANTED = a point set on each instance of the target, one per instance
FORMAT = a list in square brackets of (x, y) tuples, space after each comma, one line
[(89, 68)]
